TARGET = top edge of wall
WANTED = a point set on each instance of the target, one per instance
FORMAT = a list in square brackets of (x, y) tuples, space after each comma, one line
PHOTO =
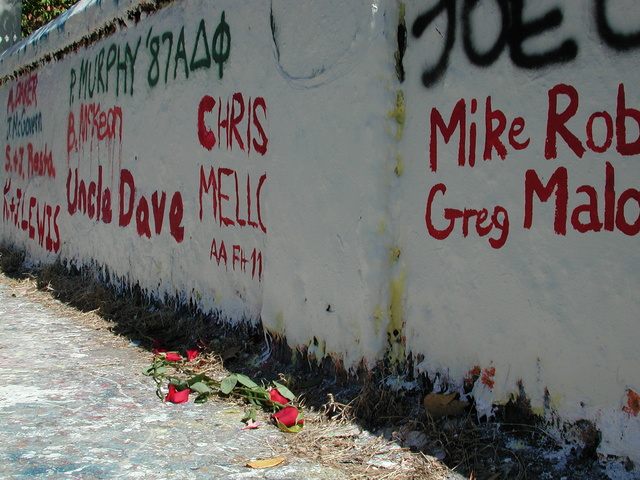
[(84, 23)]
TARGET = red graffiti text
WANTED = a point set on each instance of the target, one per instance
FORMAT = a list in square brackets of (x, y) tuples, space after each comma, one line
[(606, 209), (237, 258), (39, 163), (149, 215), (234, 201), (557, 125), (90, 198), (495, 138), (23, 94), (92, 126), (479, 218), (39, 219), (235, 121)]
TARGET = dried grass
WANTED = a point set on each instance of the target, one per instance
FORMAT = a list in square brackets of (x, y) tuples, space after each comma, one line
[(12, 261), (341, 444)]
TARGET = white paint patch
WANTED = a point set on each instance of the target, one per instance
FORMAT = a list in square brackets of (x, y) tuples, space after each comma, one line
[(26, 394)]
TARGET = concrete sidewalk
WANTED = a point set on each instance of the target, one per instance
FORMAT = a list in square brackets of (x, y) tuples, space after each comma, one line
[(74, 404)]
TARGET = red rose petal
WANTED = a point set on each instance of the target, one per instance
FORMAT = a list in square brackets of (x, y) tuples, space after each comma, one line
[(288, 416), (277, 397), (175, 396), (173, 357), (191, 354)]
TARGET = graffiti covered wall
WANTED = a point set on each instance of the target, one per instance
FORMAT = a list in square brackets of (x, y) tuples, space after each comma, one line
[(450, 180), (521, 205), (151, 152)]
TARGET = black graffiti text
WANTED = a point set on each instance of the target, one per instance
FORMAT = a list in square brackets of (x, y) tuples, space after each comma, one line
[(515, 31)]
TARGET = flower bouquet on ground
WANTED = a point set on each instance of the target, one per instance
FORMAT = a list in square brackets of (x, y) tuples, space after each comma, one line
[(173, 369)]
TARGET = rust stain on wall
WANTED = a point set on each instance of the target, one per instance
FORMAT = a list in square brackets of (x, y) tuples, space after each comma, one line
[(488, 377), (633, 403)]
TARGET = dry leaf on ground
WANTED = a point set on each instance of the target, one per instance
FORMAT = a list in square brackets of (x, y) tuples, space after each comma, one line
[(440, 404), (267, 463)]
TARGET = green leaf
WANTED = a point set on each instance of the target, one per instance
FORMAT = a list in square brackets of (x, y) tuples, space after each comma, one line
[(228, 384), (293, 429), (246, 381), (198, 378), (155, 370), (208, 381), (284, 391), (202, 398), (260, 392), (179, 383), (251, 415), (200, 387), (257, 396)]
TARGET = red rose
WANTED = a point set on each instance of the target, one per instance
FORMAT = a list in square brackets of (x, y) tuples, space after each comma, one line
[(173, 357), (191, 354), (277, 397), (288, 416), (175, 396)]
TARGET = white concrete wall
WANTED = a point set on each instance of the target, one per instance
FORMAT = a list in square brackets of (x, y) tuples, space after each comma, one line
[(544, 293), (345, 231)]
